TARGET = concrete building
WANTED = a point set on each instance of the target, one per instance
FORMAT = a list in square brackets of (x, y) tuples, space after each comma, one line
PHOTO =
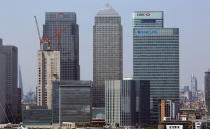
[(68, 42), (194, 86), (11, 54), (107, 52), (156, 58), (2, 88), (48, 70), (71, 101), (207, 90), (127, 102)]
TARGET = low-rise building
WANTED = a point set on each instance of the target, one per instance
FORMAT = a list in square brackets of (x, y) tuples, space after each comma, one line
[(175, 125), (37, 115), (71, 101), (169, 110)]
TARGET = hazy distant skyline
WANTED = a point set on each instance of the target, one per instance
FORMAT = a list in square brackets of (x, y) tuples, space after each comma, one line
[(17, 27)]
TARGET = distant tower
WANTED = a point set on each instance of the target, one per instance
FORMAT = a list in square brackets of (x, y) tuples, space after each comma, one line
[(107, 52), (20, 82), (1, 42), (193, 85)]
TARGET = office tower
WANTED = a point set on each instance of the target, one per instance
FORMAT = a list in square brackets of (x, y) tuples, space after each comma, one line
[(194, 88), (156, 58), (71, 101), (20, 82), (48, 70), (207, 90), (186, 89), (11, 54), (185, 93), (169, 110), (127, 102), (107, 51), (67, 41), (2, 87)]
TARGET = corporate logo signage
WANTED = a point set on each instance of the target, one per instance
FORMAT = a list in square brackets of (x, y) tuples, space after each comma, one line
[(148, 15), (143, 14), (140, 32)]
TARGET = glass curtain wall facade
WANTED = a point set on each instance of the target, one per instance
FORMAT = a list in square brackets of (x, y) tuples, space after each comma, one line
[(3, 76), (71, 101), (11, 53), (156, 58), (69, 41), (37, 117), (127, 102), (107, 52), (207, 90)]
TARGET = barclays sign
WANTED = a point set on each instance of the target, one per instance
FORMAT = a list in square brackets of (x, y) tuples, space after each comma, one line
[(146, 32)]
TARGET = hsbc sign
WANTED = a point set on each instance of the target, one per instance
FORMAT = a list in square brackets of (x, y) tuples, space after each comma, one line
[(144, 14), (148, 15)]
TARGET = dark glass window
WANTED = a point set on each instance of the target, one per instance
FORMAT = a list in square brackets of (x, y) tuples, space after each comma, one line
[(148, 20)]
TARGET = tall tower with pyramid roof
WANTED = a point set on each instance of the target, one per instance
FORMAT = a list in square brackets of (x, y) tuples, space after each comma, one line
[(107, 52)]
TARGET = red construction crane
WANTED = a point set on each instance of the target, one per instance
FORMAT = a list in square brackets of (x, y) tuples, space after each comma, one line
[(48, 39)]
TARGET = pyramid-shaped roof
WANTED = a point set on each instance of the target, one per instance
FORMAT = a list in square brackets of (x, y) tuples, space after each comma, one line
[(107, 11)]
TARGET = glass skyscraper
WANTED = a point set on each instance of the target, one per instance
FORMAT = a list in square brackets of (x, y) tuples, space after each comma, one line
[(156, 58), (69, 42), (107, 52), (11, 54), (3, 77)]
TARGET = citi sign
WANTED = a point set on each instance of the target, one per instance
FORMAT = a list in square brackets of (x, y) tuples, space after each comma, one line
[(146, 32)]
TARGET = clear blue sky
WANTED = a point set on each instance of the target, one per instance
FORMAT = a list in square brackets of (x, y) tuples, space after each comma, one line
[(17, 27)]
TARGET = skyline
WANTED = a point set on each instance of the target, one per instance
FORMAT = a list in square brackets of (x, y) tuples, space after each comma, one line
[(188, 39)]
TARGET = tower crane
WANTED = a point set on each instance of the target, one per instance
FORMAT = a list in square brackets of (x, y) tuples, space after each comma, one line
[(48, 39)]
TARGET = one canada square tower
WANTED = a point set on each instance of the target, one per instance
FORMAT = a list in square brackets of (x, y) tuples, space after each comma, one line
[(107, 52)]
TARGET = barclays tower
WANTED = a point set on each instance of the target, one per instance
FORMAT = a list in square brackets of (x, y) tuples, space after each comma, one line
[(156, 58)]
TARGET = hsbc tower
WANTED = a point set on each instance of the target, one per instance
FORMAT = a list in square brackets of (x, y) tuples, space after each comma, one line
[(156, 58)]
